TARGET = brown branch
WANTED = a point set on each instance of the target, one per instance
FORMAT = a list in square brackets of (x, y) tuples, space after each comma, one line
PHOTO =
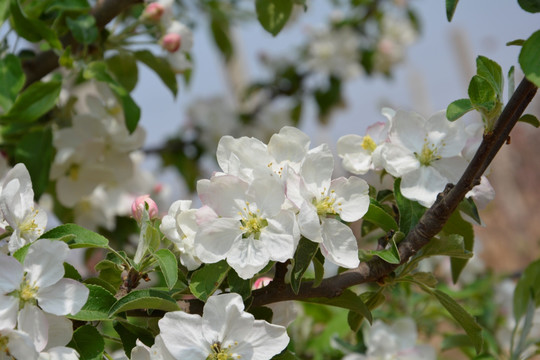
[(429, 225), (45, 62)]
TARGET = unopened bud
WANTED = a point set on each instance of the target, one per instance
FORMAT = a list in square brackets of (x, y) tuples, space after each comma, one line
[(171, 42), (262, 282), (140, 204), (153, 11)]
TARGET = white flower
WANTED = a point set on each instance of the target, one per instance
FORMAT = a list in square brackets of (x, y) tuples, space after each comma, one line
[(424, 153), (244, 223), (180, 226), (320, 199), (17, 344), (225, 331), (26, 219), (178, 41), (335, 52), (396, 34), (37, 287), (158, 351), (356, 151), (397, 341)]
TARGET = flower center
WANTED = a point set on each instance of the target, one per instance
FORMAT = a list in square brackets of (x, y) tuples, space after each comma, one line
[(368, 144), (73, 172), (252, 223), (27, 292), (325, 204), (428, 154), (28, 225), (4, 340), (221, 353)]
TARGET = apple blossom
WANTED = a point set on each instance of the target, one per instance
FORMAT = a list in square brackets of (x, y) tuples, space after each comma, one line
[(26, 219), (140, 205), (244, 223), (16, 344), (225, 331), (178, 40), (30, 290), (158, 351)]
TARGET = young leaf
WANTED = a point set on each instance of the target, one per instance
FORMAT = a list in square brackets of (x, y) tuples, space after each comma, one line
[(161, 67), (76, 236), (390, 255), (83, 28), (70, 272), (468, 207), (456, 225), (318, 265), (144, 299), (220, 31), (305, 252), (347, 300), (451, 9), (33, 102), (410, 211), (492, 72), (511, 82), (527, 283), (379, 217), (32, 30), (168, 265), (529, 58), (207, 279), (97, 306), (482, 93), (458, 108), (35, 150), (88, 342), (124, 69), (530, 119), (273, 14), (13, 79), (452, 245)]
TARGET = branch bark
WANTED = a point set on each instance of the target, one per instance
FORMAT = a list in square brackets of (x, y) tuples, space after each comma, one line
[(45, 62), (429, 225)]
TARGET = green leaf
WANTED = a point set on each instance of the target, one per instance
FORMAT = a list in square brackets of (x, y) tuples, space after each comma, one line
[(207, 279), (129, 334), (347, 300), (273, 14), (456, 225), (168, 265), (318, 265), (239, 285), (76, 236), (35, 150), (88, 342), (492, 72), (379, 217), (13, 78), (451, 9), (426, 278), (456, 341), (458, 108), (97, 306), (529, 58), (132, 112), (530, 119), (220, 32), (161, 67), (286, 355), (67, 5), (4, 11), (482, 93), (124, 69), (517, 42), (410, 211), (451, 245), (104, 284), (110, 272), (305, 252), (468, 207), (532, 6), (32, 30), (83, 28), (511, 82), (527, 283), (70, 272), (33, 102), (467, 322), (144, 299), (372, 299), (20, 254)]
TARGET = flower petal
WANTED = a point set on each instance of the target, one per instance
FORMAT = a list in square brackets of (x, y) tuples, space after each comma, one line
[(183, 337), (32, 321), (352, 197), (67, 296), (44, 262), (339, 244)]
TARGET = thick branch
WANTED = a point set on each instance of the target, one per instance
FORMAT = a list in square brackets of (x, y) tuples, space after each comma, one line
[(429, 225), (45, 62)]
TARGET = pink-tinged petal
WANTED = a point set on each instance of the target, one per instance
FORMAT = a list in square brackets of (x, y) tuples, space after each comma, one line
[(263, 342), (317, 168), (224, 319), (408, 130), (32, 321), (339, 244), (11, 274), (20, 345), (44, 262), (423, 185), (213, 241), (60, 330), (379, 131), (67, 296), (226, 194), (352, 197), (183, 337), (397, 160), (9, 305), (248, 256)]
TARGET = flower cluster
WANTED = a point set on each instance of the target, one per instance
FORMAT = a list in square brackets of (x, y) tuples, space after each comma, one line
[(266, 198)]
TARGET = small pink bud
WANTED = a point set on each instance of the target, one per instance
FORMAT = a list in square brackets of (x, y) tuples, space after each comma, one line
[(261, 282), (138, 206), (153, 11), (171, 42)]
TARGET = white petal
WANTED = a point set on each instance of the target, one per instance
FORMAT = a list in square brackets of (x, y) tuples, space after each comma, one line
[(59, 353), (408, 130), (317, 168), (352, 197), (451, 168), (268, 194), (224, 319), (450, 133), (67, 296), (291, 144), (20, 345), (11, 274), (278, 236), (247, 256), (396, 159), (309, 222), (32, 321), (224, 194), (423, 185), (44, 262), (339, 244), (213, 241), (9, 305), (60, 330), (263, 342), (183, 337)]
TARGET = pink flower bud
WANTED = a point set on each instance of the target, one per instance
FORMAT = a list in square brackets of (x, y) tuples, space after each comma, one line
[(171, 42), (261, 282), (153, 11), (138, 206)]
